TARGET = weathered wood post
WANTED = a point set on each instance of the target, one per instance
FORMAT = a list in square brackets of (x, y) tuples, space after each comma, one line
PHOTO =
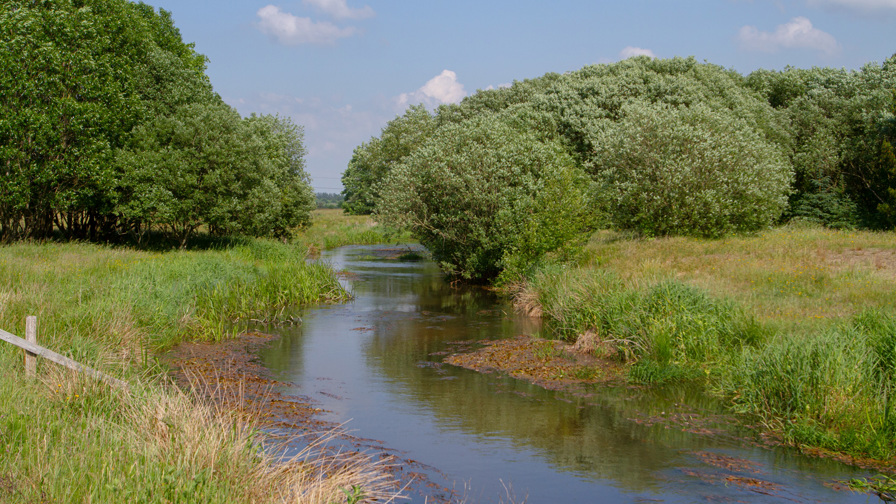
[(31, 337)]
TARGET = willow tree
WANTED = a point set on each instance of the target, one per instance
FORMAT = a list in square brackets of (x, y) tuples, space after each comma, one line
[(372, 161), (488, 196), (75, 78)]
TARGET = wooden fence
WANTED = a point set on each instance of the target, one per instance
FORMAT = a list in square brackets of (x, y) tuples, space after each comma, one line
[(33, 350)]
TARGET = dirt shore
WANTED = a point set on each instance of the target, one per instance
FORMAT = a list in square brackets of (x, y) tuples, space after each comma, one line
[(229, 374), (547, 363)]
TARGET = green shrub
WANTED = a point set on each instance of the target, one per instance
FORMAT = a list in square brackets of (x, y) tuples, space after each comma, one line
[(686, 170), (483, 196)]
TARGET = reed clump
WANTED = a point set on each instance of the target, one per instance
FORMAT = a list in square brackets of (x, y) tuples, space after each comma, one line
[(832, 389)]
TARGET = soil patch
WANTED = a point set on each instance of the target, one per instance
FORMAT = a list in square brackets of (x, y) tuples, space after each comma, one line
[(550, 364), (880, 261)]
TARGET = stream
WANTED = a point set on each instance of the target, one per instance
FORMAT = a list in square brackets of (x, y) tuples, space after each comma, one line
[(375, 364)]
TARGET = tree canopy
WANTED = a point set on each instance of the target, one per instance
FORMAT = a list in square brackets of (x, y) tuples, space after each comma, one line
[(668, 146), (109, 125)]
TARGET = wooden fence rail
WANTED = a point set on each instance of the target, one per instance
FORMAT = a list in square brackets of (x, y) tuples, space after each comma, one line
[(32, 349)]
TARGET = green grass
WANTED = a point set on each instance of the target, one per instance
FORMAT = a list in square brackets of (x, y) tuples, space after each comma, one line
[(333, 228), (794, 325), (86, 295), (66, 438)]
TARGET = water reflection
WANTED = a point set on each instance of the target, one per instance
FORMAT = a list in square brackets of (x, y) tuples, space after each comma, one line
[(377, 361)]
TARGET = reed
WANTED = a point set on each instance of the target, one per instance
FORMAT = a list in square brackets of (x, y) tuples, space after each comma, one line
[(70, 440)]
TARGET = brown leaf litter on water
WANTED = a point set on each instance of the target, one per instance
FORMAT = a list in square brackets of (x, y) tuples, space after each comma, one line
[(546, 363), (230, 375), (732, 472)]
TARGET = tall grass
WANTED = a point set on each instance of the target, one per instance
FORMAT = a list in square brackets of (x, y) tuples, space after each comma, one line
[(794, 325), (667, 328), (87, 295), (833, 389), (333, 228), (68, 439)]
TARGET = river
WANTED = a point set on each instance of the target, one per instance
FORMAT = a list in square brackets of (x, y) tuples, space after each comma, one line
[(375, 363)]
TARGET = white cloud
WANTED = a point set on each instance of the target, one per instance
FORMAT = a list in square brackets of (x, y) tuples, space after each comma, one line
[(864, 6), (339, 10), (441, 89), (292, 30), (797, 34), (631, 51)]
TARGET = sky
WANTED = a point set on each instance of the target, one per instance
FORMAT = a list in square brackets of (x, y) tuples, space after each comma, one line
[(343, 68)]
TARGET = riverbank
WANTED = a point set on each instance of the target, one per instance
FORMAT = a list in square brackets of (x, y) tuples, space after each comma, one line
[(794, 326), (65, 438)]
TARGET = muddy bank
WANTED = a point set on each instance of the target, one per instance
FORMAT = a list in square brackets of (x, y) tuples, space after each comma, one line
[(550, 364), (229, 374)]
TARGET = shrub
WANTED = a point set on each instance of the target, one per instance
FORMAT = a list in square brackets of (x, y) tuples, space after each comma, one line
[(483, 196), (690, 170)]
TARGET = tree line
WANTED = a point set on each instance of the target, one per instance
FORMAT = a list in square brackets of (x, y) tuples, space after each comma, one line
[(654, 146), (110, 127)]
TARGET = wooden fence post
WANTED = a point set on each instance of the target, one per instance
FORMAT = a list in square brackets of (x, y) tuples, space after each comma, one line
[(31, 337)]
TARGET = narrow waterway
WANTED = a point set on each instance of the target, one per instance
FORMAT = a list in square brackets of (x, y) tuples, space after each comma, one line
[(376, 364)]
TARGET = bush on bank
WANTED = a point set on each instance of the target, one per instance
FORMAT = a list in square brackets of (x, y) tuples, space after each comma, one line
[(688, 171), (485, 196)]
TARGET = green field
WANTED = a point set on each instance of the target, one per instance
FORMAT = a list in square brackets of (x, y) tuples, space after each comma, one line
[(794, 325), (67, 438)]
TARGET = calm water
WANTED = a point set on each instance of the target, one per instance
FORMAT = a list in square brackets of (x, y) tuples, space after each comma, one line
[(375, 363)]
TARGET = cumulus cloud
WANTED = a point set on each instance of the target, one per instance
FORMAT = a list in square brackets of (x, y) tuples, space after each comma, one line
[(797, 34), (339, 10), (864, 6), (288, 29), (441, 89), (632, 51)]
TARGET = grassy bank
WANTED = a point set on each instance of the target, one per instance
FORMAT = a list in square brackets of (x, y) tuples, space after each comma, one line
[(64, 438), (795, 325), (332, 228)]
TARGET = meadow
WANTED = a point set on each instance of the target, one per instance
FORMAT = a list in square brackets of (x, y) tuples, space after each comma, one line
[(795, 325), (67, 438)]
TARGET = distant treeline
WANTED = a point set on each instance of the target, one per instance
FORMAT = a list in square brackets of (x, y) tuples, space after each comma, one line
[(109, 126), (655, 146), (329, 200)]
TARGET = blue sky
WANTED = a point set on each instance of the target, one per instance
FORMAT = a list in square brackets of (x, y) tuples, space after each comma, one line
[(343, 68)]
